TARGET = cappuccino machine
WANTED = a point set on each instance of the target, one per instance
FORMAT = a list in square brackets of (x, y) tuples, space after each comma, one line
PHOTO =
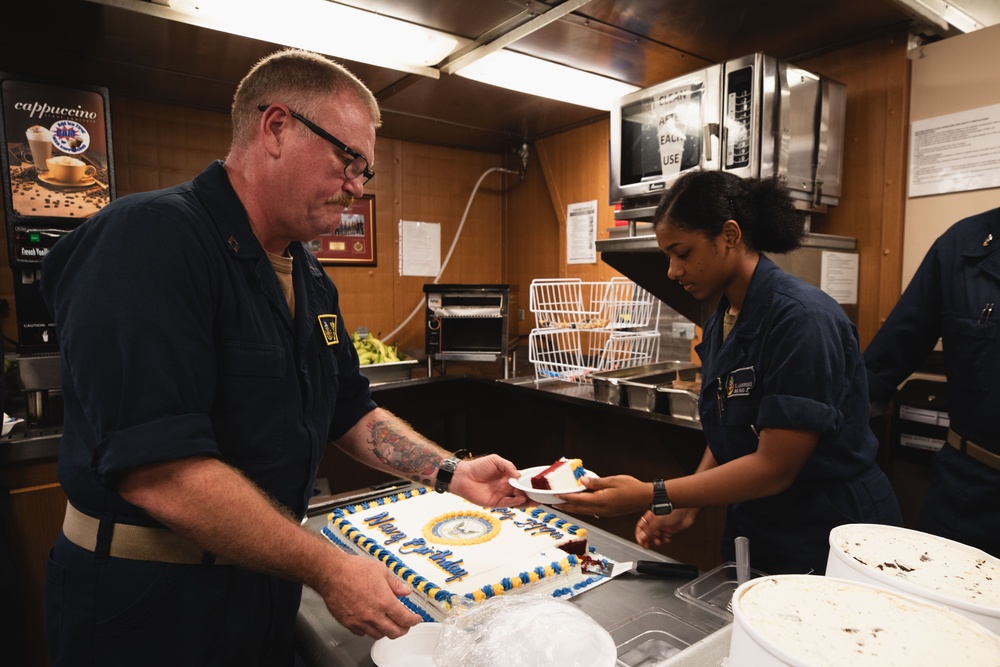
[(56, 172)]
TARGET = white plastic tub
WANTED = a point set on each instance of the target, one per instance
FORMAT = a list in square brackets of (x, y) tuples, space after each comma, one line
[(950, 573), (809, 621)]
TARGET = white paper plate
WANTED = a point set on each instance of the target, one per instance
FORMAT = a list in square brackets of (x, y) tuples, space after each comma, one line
[(545, 497), (9, 423), (414, 649)]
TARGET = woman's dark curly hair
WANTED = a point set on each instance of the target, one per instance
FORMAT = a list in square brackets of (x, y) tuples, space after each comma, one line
[(703, 201)]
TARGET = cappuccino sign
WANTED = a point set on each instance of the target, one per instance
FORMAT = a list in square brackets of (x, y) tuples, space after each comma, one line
[(57, 162)]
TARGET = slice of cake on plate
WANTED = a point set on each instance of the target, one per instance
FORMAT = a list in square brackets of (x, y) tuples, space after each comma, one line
[(564, 474)]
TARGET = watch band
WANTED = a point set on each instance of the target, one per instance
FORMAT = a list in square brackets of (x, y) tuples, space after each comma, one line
[(446, 470), (661, 501)]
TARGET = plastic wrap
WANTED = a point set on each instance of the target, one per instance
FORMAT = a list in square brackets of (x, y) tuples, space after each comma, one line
[(525, 630)]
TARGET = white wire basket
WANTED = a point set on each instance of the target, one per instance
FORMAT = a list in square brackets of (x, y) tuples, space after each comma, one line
[(573, 354), (570, 303)]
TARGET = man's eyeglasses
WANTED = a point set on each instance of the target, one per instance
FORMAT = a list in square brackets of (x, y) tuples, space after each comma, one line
[(358, 166)]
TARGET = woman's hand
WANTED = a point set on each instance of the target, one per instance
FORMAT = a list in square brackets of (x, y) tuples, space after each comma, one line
[(609, 496), (653, 531)]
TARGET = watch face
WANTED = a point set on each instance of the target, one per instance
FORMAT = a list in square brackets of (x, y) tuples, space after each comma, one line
[(659, 509), (661, 501)]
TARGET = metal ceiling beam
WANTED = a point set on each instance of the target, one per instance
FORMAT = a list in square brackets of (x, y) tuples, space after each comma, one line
[(946, 16), (451, 66)]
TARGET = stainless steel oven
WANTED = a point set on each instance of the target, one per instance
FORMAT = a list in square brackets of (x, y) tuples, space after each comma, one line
[(470, 323), (755, 116)]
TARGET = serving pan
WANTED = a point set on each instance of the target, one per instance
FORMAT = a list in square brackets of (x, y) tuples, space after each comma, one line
[(390, 371), (609, 388), (656, 393)]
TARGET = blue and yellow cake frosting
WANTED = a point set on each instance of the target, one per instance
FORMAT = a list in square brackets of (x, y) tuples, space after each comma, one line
[(460, 528)]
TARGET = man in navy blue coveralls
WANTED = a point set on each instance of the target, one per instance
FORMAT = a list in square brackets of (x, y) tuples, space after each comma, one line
[(952, 297), (200, 394)]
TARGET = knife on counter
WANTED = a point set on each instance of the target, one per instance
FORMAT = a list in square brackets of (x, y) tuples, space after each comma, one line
[(652, 568)]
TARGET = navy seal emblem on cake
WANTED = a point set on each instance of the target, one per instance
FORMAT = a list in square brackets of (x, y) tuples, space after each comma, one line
[(461, 528)]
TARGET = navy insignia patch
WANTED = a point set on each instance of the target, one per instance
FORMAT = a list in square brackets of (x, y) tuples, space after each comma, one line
[(328, 325)]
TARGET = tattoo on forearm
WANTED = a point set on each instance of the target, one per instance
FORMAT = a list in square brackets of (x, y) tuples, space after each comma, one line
[(412, 459)]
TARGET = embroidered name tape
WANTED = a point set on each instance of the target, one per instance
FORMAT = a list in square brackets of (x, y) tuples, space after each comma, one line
[(740, 382)]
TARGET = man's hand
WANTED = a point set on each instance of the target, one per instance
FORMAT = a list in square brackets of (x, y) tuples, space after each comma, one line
[(485, 481), (362, 595)]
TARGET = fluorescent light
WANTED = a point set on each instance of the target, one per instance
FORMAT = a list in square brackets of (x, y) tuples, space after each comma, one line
[(535, 76), (317, 25), (363, 36)]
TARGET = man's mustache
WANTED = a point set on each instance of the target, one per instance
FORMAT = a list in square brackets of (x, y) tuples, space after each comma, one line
[(341, 199)]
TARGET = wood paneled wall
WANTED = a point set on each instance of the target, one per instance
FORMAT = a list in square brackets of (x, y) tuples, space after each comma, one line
[(516, 227), (565, 168), (156, 146), (877, 75)]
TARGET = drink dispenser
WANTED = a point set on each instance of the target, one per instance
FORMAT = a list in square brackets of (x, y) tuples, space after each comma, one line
[(56, 172)]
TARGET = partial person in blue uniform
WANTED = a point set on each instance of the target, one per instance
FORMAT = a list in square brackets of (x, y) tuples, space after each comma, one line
[(784, 398), (954, 297), (206, 366)]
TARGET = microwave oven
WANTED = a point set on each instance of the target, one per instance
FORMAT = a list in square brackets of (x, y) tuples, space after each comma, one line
[(754, 116)]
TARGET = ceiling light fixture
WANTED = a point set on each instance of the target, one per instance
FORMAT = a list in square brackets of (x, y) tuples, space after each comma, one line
[(316, 25), (535, 76), (363, 36)]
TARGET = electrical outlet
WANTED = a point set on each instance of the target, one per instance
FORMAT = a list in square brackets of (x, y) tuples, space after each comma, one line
[(683, 330), (520, 314)]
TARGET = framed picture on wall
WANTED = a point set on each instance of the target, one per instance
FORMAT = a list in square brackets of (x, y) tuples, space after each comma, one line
[(352, 240)]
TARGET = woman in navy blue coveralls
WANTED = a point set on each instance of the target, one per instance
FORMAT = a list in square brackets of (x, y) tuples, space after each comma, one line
[(784, 399)]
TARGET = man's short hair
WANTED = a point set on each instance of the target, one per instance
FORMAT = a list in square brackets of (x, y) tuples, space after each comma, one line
[(297, 78)]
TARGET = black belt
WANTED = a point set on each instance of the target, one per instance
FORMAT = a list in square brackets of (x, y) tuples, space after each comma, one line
[(974, 451), (135, 542)]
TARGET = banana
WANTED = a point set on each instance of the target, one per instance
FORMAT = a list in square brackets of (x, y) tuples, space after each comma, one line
[(371, 350)]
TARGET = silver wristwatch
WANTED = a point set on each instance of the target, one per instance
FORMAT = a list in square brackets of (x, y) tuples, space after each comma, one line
[(446, 470)]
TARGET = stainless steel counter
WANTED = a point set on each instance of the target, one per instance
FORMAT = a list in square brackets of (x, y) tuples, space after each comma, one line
[(323, 642), (29, 444), (583, 394)]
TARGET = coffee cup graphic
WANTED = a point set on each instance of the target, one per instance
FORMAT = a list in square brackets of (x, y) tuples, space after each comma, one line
[(40, 145), (68, 169)]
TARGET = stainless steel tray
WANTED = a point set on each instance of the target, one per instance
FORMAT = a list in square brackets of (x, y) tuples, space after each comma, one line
[(680, 402), (608, 386), (644, 392), (390, 371)]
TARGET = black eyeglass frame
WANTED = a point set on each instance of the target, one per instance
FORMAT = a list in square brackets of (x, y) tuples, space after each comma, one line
[(323, 134)]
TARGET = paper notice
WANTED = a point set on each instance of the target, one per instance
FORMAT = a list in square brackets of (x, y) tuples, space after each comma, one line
[(581, 233), (839, 276), (955, 153), (419, 248)]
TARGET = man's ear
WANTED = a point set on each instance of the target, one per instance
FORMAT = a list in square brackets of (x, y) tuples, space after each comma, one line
[(273, 125)]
